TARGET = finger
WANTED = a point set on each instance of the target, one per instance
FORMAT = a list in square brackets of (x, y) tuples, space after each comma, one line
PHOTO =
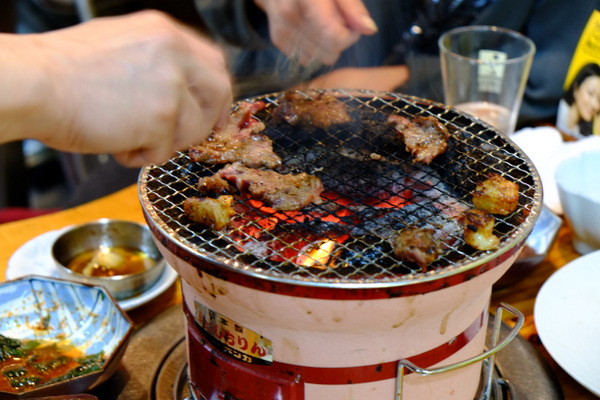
[(207, 80), (304, 50), (310, 53), (140, 157), (196, 122), (155, 155), (286, 42), (191, 128), (304, 58), (311, 31), (326, 52), (154, 142), (131, 159), (357, 16), (212, 94), (224, 116), (209, 52), (324, 23), (328, 30), (285, 21)]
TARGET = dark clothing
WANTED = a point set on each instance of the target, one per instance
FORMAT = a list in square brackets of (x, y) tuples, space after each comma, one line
[(47, 15), (408, 33)]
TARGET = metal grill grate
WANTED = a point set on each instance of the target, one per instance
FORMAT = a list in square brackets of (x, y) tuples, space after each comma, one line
[(342, 157)]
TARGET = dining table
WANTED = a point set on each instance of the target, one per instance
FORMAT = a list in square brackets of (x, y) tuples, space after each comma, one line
[(124, 204)]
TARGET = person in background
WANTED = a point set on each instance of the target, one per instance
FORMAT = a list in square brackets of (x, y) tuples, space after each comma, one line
[(139, 86), (579, 109), (402, 55), (319, 30)]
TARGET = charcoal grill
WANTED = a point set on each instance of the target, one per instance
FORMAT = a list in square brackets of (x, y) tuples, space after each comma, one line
[(278, 281)]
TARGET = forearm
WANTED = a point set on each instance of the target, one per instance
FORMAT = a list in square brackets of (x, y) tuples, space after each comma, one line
[(385, 78), (24, 89), (139, 87)]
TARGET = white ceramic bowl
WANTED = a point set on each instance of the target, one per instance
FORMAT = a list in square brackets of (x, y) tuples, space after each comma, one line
[(578, 181)]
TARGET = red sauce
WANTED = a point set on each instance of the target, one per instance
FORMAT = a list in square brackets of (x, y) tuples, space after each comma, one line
[(28, 364)]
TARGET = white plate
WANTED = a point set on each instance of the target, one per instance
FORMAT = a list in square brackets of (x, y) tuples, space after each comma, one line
[(567, 318), (35, 258)]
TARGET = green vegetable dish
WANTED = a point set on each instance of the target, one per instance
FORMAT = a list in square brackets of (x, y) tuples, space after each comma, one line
[(26, 364)]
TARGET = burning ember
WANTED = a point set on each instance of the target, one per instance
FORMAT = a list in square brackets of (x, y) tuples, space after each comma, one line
[(317, 257), (324, 236)]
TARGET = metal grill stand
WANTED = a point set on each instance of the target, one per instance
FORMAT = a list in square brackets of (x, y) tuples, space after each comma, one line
[(241, 276), (490, 355)]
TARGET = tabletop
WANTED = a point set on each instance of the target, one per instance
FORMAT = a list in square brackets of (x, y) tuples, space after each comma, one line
[(124, 204)]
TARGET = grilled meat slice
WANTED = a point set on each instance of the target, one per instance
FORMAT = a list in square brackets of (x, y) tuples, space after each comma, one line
[(496, 195), (214, 184), (312, 110), (283, 192), (239, 140), (479, 230), (424, 137), (418, 245), (210, 212)]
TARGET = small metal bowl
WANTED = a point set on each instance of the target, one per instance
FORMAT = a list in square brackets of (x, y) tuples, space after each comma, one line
[(52, 310), (106, 236)]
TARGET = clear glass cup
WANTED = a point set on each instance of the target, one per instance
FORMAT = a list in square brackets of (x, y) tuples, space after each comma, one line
[(484, 72)]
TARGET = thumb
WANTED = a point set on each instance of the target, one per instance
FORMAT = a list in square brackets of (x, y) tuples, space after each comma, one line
[(357, 16)]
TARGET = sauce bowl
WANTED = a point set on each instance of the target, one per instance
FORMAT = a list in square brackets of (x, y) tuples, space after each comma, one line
[(119, 255)]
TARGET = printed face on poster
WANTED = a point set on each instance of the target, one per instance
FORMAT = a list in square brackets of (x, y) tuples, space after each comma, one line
[(579, 109)]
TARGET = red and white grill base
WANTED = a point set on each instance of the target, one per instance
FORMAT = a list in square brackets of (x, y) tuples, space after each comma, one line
[(331, 349)]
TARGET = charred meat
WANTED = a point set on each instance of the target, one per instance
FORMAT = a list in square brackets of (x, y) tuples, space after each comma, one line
[(479, 230), (214, 184), (312, 110), (215, 213), (239, 140), (424, 137), (418, 245), (283, 192), (496, 195)]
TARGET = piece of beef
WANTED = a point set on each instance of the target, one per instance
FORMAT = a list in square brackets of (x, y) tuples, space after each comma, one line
[(479, 230), (283, 192), (239, 140), (496, 195), (214, 184), (418, 245), (311, 110), (215, 213), (424, 137)]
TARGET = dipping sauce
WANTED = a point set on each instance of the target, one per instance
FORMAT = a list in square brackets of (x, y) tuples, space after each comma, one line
[(111, 261), (26, 364)]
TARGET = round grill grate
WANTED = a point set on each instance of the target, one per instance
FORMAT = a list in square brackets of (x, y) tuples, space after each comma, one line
[(372, 190)]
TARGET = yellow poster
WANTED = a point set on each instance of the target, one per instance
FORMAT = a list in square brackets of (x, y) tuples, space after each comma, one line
[(579, 109)]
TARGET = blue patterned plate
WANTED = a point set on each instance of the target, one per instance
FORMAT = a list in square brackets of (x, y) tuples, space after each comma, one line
[(67, 313)]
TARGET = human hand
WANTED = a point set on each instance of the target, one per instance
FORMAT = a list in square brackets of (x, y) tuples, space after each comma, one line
[(316, 29), (139, 87)]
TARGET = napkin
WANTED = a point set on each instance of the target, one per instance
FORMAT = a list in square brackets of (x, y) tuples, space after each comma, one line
[(546, 149)]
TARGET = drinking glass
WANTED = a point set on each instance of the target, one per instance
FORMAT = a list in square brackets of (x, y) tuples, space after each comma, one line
[(484, 72)]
